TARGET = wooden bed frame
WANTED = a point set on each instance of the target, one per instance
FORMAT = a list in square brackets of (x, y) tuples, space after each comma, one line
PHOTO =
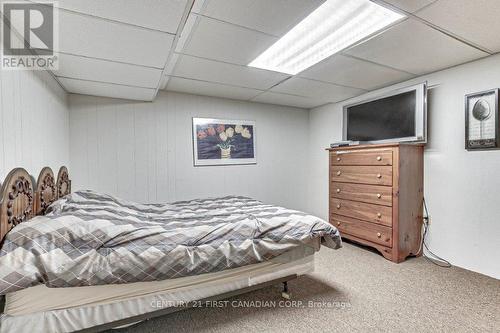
[(22, 198)]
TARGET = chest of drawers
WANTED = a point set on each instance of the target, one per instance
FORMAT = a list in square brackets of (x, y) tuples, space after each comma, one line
[(376, 195)]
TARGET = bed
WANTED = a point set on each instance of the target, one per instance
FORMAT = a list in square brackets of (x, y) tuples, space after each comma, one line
[(87, 261)]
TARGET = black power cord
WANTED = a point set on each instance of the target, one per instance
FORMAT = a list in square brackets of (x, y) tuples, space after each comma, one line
[(433, 258)]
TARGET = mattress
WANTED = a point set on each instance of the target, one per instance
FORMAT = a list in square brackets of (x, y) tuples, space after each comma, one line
[(42, 309), (92, 239)]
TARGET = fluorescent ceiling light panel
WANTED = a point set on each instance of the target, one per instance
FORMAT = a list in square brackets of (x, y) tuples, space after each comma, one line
[(332, 27)]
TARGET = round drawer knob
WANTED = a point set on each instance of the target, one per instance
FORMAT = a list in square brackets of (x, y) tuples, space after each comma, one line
[(379, 158), (379, 176), (379, 195), (379, 234), (338, 190), (339, 173), (338, 223), (338, 159), (379, 215), (338, 206)]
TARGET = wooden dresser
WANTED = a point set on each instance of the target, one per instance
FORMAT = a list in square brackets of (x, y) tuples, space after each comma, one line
[(376, 196)]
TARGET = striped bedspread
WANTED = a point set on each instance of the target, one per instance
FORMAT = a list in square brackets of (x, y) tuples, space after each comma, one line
[(94, 239)]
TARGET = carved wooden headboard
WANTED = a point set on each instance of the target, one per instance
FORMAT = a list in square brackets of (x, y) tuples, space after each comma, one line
[(46, 191), (16, 203), (63, 182), (21, 198)]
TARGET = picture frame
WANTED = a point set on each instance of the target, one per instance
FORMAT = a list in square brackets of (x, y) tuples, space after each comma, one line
[(224, 142), (482, 121)]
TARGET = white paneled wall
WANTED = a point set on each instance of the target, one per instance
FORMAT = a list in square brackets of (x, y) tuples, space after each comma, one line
[(34, 122), (143, 151), (461, 188)]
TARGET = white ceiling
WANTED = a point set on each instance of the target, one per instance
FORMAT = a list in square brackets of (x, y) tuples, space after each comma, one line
[(226, 35), (414, 47), (276, 19), (226, 73), (208, 88), (162, 15), (476, 21), (92, 69), (352, 72), (221, 41), (321, 91), (410, 6), (87, 36), (131, 48), (95, 88), (117, 48)]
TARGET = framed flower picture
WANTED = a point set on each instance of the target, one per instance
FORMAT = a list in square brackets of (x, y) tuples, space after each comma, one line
[(223, 142)]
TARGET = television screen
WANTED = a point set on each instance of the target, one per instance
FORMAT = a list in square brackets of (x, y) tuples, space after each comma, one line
[(396, 117)]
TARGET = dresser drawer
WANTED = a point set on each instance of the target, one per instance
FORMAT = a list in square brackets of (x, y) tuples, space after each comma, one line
[(361, 157), (372, 232), (375, 175), (380, 195), (363, 211)]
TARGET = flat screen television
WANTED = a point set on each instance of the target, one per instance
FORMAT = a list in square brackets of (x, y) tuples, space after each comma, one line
[(396, 116)]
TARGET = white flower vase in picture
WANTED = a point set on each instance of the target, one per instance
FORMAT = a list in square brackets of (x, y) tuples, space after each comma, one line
[(226, 138), (225, 152)]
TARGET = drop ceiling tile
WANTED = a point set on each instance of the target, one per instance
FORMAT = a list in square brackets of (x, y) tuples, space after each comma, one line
[(410, 6), (84, 35), (316, 89), (414, 47), (274, 17), (210, 89), (476, 21), (237, 75), (107, 90), (347, 71), (164, 15), (107, 71), (226, 42), (288, 100)]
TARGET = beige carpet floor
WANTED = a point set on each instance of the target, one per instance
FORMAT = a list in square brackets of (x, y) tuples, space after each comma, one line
[(356, 290)]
